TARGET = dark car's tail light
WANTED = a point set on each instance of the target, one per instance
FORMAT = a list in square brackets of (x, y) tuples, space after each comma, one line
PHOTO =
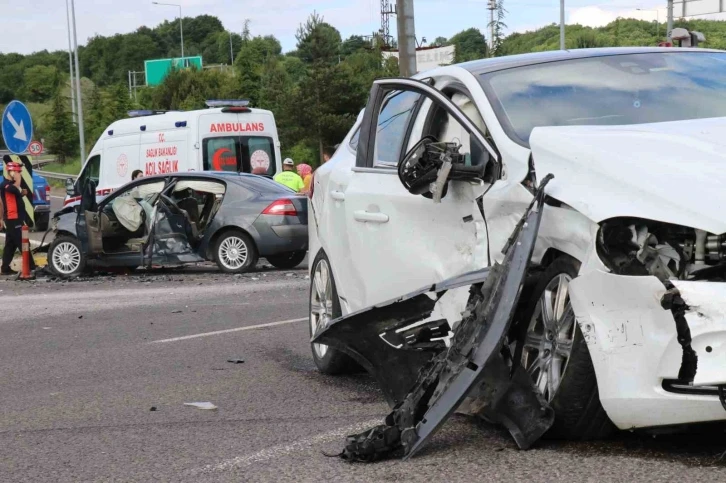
[(283, 207)]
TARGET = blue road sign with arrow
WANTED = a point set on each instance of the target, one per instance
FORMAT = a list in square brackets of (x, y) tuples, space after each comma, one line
[(17, 127)]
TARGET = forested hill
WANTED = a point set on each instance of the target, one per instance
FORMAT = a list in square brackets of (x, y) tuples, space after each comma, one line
[(620, 33), (107, 60)]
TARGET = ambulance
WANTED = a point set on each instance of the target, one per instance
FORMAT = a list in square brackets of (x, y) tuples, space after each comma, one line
[(227, 136)]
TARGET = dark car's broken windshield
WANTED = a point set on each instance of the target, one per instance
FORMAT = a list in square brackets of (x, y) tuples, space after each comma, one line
[(609, 90)]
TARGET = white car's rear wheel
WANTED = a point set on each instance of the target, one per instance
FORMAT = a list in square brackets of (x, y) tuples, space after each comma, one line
[(324, 308), (556, 356)]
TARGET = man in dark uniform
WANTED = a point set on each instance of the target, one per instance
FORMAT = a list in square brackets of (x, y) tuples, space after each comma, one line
[(13, 215)]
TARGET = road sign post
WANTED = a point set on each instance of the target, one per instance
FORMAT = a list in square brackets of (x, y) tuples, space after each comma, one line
[(17, 127)]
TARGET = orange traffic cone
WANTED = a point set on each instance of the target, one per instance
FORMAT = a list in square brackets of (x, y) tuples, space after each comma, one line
[(25, 273)]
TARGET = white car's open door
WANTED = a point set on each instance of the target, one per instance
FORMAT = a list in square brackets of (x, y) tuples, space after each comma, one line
[(399, 240)]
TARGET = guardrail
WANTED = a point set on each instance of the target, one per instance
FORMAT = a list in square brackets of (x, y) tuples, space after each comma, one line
[(61, 176), (40, 164)]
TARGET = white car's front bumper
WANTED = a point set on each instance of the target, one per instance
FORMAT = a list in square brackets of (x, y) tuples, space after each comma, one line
[(635, 348)]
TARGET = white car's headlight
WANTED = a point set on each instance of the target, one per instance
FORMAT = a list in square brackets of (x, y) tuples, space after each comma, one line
[(635, 246)]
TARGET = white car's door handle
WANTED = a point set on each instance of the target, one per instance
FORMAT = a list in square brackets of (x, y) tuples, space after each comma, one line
[(337, 195), (367, 216)]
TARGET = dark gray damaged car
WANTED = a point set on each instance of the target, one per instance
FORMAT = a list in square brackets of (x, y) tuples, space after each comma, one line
[(170, 220)]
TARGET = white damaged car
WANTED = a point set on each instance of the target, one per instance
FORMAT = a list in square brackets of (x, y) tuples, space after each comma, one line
[(450, 265)]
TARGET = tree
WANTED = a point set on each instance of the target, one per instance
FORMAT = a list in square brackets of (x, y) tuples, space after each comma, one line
[(439, 42), (499, 26), (249, 62), (62, 137), (39, 83), (317, 41), (470, 45), (325, 88), (96, 117), (354, 44)]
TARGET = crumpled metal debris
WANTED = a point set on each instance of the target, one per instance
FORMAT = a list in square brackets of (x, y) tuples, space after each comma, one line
[(477, 364)]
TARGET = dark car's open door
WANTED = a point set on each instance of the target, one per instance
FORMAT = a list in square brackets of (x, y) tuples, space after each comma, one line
[(426, 383), (88, 221), (170, 235)]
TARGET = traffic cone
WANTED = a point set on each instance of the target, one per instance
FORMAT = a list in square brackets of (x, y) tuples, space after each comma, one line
[(25, 273)]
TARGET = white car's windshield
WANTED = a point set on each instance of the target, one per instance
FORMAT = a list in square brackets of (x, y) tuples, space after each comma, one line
[(609, 90)]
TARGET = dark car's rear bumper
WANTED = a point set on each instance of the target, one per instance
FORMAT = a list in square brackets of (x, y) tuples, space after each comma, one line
[(280, 234)]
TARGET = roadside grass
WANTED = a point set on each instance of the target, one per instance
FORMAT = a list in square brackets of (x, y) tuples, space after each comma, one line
[(72, 166)]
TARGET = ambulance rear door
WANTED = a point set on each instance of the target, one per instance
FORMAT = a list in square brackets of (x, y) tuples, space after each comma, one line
[(239, 142)]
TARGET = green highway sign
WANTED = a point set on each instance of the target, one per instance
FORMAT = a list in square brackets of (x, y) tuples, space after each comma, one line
[(156, 70)]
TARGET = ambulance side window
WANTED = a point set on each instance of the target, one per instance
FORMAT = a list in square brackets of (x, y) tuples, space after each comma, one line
[(221, 154)]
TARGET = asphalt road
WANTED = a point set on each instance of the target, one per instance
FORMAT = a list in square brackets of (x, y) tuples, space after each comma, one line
[(83, 363)]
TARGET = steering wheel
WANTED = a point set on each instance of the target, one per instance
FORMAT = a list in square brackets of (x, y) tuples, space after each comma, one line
[(171, 204)]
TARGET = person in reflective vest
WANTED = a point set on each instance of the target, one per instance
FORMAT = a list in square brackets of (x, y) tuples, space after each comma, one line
[(289, 177), (13, 216)]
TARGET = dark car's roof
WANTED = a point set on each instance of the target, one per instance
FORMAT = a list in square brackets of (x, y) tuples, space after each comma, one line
[(484, 66), (254, 181)]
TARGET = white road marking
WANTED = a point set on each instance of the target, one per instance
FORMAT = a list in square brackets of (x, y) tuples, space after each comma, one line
[(58, 197), (285, 449), (227, 331)]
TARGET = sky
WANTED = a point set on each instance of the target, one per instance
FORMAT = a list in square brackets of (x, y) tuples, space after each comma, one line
[(30, 26)]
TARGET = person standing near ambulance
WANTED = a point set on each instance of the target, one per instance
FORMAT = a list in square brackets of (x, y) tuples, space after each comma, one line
[(289, 177), (13, 213)]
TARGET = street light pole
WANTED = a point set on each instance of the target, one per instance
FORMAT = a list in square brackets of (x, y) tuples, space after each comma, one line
[(669, 27), (70, 65), (657, 18), (79, 97), (181, 22)]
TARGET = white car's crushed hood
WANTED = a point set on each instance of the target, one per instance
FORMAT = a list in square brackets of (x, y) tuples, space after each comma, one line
[(673, 172)]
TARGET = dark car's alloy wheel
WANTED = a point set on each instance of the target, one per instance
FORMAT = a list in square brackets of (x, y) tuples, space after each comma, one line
[(65, 256), (324, 308), (235, 253)]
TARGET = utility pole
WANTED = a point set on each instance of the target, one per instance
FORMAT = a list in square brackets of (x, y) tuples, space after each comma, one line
[(70, 67), (492, 7), (406, 38), (79, 97), (562, 24), (670, 21)]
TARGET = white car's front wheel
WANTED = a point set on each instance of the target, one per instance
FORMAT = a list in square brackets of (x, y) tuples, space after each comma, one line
[(554, 353), (324, 308)]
